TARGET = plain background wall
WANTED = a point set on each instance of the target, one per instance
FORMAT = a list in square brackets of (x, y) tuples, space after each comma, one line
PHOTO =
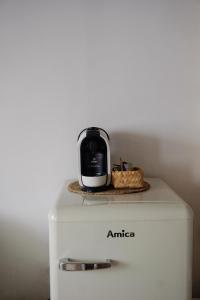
[(131, 67)]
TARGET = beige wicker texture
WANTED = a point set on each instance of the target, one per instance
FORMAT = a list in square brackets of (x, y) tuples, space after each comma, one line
[(74, 187), (128, 179)]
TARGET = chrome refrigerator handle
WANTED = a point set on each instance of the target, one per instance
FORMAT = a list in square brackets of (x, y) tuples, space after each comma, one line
[(67, 264)]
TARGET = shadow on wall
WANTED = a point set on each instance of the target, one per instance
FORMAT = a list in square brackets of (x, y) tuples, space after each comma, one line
[(141, 150), (173, 161), (24, 273)]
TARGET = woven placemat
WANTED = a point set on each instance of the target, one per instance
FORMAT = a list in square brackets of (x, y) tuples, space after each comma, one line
[(74, 187)]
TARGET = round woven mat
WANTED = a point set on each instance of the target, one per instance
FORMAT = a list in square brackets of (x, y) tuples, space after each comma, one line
[(74, 187)]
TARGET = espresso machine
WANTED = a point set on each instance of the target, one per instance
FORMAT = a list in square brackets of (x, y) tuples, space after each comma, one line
[(94, 159)]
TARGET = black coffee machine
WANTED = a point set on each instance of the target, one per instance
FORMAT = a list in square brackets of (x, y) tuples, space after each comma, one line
[(94, 159)]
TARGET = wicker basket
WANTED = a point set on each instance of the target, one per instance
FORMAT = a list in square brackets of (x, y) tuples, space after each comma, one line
[(128, 179)]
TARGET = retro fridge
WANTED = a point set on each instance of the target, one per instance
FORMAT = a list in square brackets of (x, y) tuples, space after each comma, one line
[(125, 247)]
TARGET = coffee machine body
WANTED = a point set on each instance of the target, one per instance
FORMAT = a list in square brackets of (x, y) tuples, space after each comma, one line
[(94, 159)]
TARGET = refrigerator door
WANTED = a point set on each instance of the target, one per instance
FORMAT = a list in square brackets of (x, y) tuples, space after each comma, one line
[(134, 260)]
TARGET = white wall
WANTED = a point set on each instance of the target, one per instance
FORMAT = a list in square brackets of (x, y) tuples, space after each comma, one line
[(131, 67)]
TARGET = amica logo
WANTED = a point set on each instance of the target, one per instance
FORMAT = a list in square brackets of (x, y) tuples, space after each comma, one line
[(122, 234)]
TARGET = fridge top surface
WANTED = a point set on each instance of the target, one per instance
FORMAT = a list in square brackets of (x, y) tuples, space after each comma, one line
[(158, 203)]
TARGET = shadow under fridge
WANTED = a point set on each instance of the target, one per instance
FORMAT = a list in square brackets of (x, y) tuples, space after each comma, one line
[(130, 247)]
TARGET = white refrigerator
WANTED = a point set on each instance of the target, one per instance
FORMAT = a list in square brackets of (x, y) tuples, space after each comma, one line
[(125, 247)]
